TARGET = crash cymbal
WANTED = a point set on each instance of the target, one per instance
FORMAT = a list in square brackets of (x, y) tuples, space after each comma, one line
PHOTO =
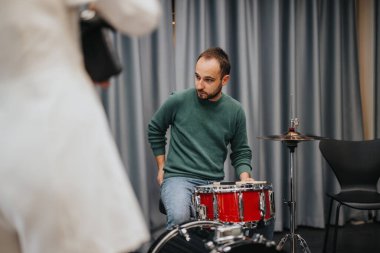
[(292, 136)]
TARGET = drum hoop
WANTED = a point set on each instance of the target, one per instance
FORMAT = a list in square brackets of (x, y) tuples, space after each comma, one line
[(173, 232), (233, 188), (204, 189), (209, 190), (243, 188)]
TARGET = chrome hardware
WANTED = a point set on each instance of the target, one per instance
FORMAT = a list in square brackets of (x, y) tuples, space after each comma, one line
[(262, 204), (215, 206), (272, 206), (229, 233), (202, 212), (294, 123), (183, 232), (241, 206)]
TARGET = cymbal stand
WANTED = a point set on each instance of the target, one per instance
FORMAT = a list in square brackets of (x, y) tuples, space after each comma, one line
[(292, 207)]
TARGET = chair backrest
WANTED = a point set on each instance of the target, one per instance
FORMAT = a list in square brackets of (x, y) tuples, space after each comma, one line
[(354, 163)]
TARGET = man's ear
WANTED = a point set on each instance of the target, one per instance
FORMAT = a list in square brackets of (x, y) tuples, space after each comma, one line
[(225, 79)]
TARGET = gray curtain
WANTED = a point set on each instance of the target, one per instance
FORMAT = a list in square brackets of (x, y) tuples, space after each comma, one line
[(290, 58)]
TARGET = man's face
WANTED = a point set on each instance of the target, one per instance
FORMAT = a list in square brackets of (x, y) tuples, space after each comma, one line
[(208, 79)]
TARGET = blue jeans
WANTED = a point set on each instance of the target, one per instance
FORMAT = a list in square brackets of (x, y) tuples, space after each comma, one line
[(266, 230), (176, 195)]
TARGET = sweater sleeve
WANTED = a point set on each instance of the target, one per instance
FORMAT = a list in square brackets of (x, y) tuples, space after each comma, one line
[(132, 17), (241, 154), (159, 125)]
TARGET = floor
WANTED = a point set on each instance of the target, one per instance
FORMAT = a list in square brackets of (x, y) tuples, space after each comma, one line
[(353, 237)]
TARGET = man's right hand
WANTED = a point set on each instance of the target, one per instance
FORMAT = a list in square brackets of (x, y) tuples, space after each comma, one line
[(160, 160), (160, 176)]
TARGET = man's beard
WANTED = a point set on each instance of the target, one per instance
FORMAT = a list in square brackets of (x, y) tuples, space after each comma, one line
[(212, 95)]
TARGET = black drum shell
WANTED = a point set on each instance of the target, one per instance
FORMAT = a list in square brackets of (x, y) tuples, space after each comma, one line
[(198, 234)]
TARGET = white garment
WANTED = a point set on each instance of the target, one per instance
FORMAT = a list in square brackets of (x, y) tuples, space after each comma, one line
[(63, 188)]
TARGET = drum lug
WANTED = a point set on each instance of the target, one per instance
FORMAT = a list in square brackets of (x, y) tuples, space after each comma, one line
[(262, 204), (183, 232), (215, 206), (195, 200), (272, 206), (202, 212), (241, 206)]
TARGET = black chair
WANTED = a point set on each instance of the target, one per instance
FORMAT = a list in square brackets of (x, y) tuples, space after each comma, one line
[(356, 165)]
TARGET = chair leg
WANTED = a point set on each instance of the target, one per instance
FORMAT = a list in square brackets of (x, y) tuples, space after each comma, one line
[(336, 226), (327, 227)]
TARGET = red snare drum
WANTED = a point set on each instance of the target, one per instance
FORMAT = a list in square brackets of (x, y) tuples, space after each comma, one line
[(235, 202)]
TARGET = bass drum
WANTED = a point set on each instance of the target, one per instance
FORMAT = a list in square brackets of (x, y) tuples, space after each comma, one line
[(210, 237)]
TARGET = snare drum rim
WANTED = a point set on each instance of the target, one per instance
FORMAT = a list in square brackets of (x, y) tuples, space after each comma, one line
[(232, 188), (242, 188), (204, 189)]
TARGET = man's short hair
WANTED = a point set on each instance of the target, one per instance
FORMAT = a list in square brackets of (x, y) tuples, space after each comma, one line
[(221, 56)]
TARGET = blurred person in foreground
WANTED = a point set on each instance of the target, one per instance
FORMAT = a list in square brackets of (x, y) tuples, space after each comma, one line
[(63, 187)]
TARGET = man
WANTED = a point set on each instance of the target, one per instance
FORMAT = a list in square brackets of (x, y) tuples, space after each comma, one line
[(204, 121)]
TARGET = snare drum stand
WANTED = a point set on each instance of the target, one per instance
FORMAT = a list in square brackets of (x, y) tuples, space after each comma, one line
[(292, 144)]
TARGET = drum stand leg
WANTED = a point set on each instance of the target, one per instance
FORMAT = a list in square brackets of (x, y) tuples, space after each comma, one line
[(292, 206)]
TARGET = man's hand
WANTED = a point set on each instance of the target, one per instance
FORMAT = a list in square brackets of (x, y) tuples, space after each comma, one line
[(160, 160), (245, 176), (160, 176)]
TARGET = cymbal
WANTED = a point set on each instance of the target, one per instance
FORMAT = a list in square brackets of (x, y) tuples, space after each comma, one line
[(292, 136)]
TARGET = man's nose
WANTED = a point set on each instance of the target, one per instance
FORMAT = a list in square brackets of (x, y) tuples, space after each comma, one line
[(200, 85)]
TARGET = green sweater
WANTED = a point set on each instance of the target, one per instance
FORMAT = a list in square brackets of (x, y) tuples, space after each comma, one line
[(200, 133)]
